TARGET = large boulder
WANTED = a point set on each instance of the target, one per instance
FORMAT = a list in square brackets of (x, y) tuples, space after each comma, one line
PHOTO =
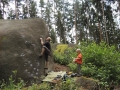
[(87, 83), (20, 47)]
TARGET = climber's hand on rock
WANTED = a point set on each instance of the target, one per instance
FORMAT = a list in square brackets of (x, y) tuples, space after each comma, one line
[(40, 38)]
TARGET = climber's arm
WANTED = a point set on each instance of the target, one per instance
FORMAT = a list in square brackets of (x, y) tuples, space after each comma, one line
[(41, 41)]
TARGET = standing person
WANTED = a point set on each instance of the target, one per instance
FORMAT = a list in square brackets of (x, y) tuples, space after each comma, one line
[(46, 50), (78, 61)]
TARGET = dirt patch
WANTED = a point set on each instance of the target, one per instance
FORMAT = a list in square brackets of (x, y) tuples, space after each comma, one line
[(57, 67)]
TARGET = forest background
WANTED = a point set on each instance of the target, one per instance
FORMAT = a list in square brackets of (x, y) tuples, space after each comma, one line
[(70, 21), (77, 21)]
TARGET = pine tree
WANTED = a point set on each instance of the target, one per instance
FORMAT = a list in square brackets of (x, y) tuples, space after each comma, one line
[(42, 7), (3, 3), (32, 10)]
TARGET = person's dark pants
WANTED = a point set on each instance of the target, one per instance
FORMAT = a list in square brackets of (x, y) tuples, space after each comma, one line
[(79, 69), (47, 51), (46, 57)]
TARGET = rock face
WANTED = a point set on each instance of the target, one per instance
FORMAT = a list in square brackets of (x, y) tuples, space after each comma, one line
[(20, 47)]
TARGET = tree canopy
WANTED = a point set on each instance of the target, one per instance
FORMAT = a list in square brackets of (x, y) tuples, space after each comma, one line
[(71, 21)]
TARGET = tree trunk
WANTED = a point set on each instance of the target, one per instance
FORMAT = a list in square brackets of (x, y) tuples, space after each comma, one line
[(27, 5), (118, 5), (64, 24), (75, 21), (0, 10), (16, 9), (99, 26), (3, 8), (88, 24), (107, 41), (0, 4)]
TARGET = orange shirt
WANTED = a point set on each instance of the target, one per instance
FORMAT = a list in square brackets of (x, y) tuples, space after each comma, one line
[(79, 61)]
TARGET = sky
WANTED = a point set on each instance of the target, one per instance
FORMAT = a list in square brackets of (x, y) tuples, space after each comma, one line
[(117, 19), (114, 6), (12, 7), (37, 2)]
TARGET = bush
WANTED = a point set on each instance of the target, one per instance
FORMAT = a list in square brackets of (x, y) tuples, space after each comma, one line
[(89, 70), (62, 54), (61, 48), (12, 84), (101, 62), (73, 67), (69, 84), (42, 86)]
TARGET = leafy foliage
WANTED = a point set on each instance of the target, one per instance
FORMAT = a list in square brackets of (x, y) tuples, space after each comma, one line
[(72, 67), (100, 61), (59, 55), (61, 48), (64, 54), (43, 86), (12, 84), (67, 85)]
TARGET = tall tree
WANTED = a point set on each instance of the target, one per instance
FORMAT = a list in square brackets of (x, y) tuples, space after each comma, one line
[(42, 7), (53, 36), (118, 5), (0, 10), (68, 22), (3, 3), (59, 19), (16, 9), (102, 3), (32, 10), (48, 15), (27, 8), (25, 12), (75, 12)]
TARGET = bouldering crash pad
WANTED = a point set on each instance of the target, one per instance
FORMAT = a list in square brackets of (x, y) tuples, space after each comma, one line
[(54, 76)]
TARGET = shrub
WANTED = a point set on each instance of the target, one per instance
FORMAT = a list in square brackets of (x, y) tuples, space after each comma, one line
[(60, 55), (64, 54), (101, 62), (69, 84), (42, 86), (12, 85), (73, 67), (89, 70)]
